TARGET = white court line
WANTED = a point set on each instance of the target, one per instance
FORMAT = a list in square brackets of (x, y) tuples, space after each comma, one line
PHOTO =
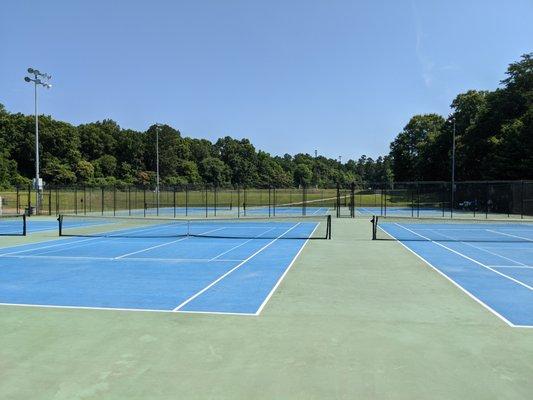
[(513, 266), (144, 259), (263, 304), (233, 269), (123, 309), (164, 244), (437, 270), (242, 244), (469, 258), (508, 234), (478, 248), (47, 247)]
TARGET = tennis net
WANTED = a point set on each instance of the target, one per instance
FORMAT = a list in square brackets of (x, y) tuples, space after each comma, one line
[(452, 230), (13, 225), (315, 227)]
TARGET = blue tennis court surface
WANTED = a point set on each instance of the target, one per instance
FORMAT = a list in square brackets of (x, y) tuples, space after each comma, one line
[(492, 262), (182, 274)]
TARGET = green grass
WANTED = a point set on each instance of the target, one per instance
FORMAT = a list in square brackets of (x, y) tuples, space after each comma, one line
[(353, 319)]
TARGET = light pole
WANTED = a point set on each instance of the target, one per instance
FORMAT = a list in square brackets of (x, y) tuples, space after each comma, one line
[(316, 170), (453, 167), (158, 126), (39, 78)]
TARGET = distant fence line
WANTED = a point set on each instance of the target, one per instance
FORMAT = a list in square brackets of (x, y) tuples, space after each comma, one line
[(416, 199)]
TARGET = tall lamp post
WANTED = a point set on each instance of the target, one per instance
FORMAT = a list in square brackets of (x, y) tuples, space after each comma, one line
[(453, 168), (158, 126), (39, 78)]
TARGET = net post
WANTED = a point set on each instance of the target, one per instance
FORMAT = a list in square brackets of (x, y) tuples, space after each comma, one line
[(374, 221), (328, 229), (24, 225), (60, 221)]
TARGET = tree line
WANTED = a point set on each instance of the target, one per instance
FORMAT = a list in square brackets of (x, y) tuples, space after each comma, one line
[(494, 141), (494, 134), (103, 153)]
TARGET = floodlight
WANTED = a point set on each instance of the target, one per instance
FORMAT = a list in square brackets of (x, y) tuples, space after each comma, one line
[(27, 79)]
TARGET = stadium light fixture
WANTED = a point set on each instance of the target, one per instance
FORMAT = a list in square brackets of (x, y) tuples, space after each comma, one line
[(41, 79)]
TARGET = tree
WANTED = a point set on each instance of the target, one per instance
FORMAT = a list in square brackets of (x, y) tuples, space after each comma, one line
[(302, 175), (214, 171), (105, 166), (84, 171), (411, 149)]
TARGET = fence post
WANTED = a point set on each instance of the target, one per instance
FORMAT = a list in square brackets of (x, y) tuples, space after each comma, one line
[(522, 201), (206, 212), (186, 200), (102, 201), (215, 200), (238, 201), (274, 203), (50, 201), (487, 201), (269, 200), (338, 200), (174, 200), (75, 200), (352, 200)]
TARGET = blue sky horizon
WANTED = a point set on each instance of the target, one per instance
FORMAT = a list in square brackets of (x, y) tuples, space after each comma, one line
[(342, 77)]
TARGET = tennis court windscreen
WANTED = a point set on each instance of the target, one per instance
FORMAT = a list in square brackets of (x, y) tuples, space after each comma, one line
[(12, 225), (315, 227), (452, 230)]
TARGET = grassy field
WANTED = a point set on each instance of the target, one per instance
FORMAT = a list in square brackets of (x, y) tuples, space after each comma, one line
[(352, 319)]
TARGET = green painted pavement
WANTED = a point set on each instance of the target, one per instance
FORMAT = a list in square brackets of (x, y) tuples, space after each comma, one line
[(352, 319)]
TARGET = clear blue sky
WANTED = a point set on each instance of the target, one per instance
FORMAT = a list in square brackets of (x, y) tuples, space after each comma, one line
[(342, 77)]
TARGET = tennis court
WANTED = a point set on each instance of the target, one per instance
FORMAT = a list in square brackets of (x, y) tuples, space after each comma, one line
[(207, 266), (492, 261)]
